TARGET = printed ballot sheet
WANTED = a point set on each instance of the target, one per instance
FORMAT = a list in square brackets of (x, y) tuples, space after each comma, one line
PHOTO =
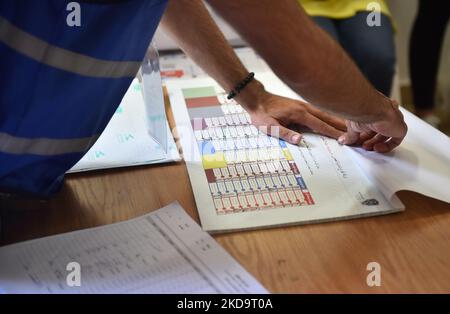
[(161, 252), (245, 179), (127, 141)]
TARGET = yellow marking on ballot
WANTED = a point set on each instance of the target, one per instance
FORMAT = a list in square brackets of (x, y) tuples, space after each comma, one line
[(287, 154), (216, 160)]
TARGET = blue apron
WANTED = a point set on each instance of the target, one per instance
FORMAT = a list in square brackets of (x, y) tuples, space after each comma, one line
[(61, 83)]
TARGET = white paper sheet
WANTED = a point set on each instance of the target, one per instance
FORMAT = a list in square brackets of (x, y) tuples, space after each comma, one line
[(161, 252), (320, 181), (126, 140)]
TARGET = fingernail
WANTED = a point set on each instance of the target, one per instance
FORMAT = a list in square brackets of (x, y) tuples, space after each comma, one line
[(341, 139), (295, 139)]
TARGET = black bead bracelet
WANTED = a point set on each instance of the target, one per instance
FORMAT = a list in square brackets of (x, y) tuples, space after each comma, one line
[(239, 87)]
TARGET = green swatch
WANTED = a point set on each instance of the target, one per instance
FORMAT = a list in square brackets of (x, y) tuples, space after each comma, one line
[(199, 92)]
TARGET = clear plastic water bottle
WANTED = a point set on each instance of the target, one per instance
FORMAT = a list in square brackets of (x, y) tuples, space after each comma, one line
[(153, 96)]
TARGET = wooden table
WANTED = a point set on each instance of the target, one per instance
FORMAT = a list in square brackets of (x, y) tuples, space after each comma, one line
[(412, 248)]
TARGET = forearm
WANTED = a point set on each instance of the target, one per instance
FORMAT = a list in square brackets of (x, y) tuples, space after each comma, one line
[(189, 23), (304, 56)]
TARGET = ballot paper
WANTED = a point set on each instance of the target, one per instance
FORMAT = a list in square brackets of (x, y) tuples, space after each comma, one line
[(126, 140), (244, 179), (161, 252)]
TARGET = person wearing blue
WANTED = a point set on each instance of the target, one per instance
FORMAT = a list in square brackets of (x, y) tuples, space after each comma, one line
[(61, 82)]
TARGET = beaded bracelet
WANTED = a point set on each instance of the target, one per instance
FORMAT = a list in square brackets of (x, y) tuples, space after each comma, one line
[(239, 87)]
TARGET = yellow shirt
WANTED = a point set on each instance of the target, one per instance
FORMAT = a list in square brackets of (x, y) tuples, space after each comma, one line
[(339, 9)]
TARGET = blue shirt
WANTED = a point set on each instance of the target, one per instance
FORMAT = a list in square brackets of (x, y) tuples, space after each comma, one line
[(61, 83)]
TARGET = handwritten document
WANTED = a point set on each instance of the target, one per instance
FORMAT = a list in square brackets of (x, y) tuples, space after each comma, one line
[(161, 252)]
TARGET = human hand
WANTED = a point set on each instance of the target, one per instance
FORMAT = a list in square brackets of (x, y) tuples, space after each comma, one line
[(382, 135), (276, 114)]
